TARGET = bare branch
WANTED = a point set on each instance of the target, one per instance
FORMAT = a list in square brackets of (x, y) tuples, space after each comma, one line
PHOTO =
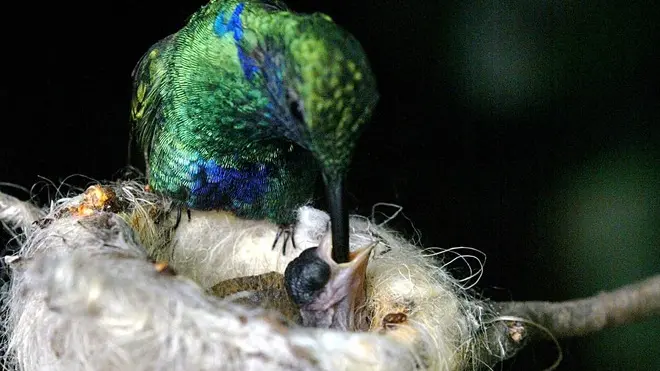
[(518, 323), (625, 305)]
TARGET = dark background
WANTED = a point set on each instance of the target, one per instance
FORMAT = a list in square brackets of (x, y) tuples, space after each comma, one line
[(525, 129)]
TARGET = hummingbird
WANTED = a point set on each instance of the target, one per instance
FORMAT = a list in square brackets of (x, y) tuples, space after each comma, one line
[(247, 106)]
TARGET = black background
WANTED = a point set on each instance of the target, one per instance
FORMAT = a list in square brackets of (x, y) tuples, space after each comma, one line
[(527, 130)]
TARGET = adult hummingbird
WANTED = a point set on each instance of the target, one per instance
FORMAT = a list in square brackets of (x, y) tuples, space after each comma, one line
[(244, 107)]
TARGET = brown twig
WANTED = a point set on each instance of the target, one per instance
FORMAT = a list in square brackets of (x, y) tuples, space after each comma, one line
[(517, 323), (625, 305)]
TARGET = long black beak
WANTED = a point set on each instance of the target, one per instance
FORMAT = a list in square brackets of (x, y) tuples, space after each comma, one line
[(334, 190)]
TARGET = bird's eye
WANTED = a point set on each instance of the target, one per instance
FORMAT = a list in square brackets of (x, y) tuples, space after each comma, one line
[(296, 110)]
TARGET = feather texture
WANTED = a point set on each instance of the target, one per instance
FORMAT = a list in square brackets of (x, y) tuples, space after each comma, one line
[(245, 106)]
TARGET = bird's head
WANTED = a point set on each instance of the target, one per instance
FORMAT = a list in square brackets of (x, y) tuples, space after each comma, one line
[(329, 295), (331, 90), (330, 93)]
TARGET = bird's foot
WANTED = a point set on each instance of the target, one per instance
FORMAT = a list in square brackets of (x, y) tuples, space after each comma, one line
[(286, 230), (178, 215)]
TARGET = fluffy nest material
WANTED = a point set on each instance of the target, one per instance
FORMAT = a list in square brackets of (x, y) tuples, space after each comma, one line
[(104, 281)]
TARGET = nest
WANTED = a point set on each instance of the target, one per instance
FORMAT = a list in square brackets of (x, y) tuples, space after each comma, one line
[(105, 281)]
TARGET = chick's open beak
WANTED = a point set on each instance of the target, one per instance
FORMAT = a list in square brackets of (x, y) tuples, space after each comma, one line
[(329, 295)]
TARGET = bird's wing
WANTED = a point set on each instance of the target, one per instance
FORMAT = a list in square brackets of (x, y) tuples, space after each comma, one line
[(148, 76)]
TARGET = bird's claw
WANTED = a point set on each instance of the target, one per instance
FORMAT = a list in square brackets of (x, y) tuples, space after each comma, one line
[(288, 231), (178, 215)]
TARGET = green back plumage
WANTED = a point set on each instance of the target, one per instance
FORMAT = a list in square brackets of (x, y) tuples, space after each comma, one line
[(245, 105)]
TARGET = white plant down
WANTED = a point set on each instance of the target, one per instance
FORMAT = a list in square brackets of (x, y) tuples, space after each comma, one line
[(85, 294)]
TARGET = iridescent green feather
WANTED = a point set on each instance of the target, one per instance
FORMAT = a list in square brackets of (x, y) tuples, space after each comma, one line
[(258, 141)]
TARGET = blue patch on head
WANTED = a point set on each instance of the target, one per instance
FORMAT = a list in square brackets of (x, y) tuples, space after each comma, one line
[(234, 25)]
